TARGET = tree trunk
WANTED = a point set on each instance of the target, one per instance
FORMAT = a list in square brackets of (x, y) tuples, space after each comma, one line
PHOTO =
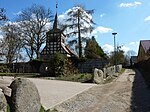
[(79, 35)]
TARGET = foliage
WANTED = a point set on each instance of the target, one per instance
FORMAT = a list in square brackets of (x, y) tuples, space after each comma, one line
[(117, 57), (32, 22), (93, 50), (43, 110), (82, 59), (20, 74), (61, 65), (79, 22), (3, 69), (83, 77)]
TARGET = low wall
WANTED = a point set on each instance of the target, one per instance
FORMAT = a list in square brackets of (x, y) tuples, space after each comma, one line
[(110, 71), (100, 74)]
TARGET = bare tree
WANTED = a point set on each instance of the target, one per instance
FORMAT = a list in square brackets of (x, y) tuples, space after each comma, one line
[(33, 21), (80, 22), (3, 17), (11, 43), (2, 14)]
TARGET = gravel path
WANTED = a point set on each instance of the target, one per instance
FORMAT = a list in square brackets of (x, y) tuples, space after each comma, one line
[(126, 94)]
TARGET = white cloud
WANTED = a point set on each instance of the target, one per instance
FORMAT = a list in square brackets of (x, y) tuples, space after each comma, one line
[(147, 18), (131, 43), (62, 17), (102, 29), (126, 5), (125, 49), (108, 48), (134, 43)]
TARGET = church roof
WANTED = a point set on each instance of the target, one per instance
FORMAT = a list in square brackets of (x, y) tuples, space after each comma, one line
[(55, 22), (68, 50), (55, 25)]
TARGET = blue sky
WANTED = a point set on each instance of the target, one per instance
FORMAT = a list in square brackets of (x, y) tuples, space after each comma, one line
[(129, 18)]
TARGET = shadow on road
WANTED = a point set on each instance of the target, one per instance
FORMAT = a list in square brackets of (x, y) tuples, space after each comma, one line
[(140, 100)]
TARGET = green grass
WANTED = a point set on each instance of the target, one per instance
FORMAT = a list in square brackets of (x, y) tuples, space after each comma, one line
[(49, 110), (83, 77), (42, 109), (20, 74), (110, 79), (8, 108)]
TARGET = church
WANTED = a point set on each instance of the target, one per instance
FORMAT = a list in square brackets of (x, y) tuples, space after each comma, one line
[(55, 42)]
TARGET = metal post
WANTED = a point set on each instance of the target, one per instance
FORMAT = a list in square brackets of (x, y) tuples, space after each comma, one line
[(115, 64)]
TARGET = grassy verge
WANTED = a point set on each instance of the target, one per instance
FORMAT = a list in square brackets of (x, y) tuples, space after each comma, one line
[(110, 79), (20, 74), (83, 77)]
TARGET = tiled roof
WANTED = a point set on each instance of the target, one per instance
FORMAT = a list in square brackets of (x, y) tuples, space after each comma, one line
[(146, 45)]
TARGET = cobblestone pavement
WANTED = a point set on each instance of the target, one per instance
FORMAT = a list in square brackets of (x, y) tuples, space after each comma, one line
[(126, 94)]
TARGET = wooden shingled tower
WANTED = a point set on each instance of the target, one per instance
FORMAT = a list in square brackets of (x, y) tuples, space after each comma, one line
[(55, 42)]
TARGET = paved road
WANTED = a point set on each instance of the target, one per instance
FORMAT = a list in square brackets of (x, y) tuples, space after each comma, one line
[(53, 92), (128, 93)]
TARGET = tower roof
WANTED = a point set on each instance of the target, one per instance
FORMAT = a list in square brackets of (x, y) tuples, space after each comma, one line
[(55, 22)]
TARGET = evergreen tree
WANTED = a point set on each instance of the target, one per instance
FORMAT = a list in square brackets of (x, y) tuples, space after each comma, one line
[(79, 22), (93, 50)]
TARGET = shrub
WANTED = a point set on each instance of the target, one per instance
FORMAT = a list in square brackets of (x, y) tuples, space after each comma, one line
[(61, 65), (3, 69)]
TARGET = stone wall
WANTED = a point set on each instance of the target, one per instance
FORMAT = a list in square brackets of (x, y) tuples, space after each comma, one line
[(99, 75)]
